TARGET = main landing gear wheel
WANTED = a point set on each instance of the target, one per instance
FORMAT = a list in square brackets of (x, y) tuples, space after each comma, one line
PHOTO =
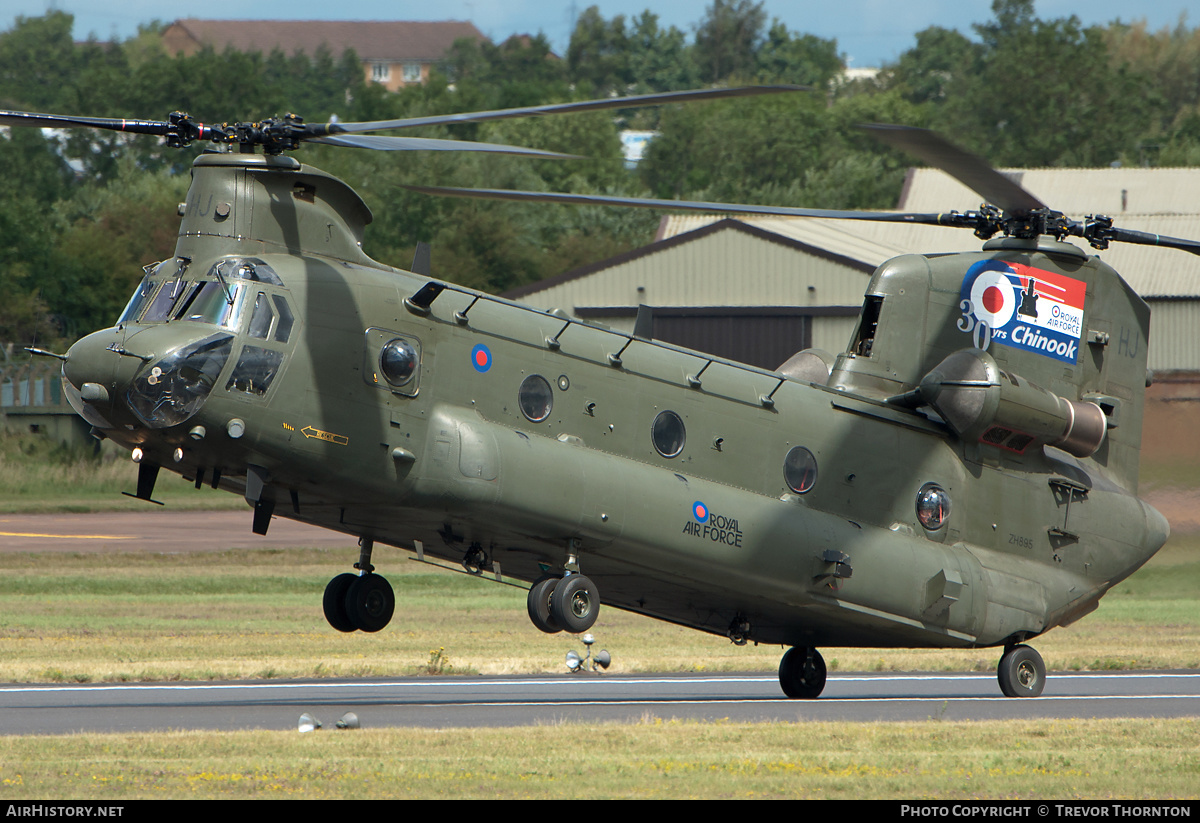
[(539, 605), (335, 602), (370, 602), (1021, 672), (575, 603), (802, 673), (354, 603)]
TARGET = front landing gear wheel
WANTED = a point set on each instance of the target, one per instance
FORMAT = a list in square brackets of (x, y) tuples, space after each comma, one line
[(575, 603), (370, 602), (335, 602), (1021, 672), (802, 673), (539, 605)]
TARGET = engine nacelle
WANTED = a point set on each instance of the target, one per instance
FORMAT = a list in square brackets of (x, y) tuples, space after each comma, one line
[(980, 401)]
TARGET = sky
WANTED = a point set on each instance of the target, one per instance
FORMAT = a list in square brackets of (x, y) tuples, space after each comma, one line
[(868, 32)]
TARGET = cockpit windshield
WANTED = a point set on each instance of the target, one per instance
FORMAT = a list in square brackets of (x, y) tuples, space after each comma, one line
[(165, 294)]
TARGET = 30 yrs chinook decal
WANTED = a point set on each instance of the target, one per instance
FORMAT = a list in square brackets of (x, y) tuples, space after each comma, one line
[(1023, 307)]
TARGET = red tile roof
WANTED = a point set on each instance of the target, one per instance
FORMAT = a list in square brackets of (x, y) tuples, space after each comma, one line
[(372, 40)]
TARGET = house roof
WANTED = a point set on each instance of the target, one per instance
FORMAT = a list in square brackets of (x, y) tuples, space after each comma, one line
[(376, 40)]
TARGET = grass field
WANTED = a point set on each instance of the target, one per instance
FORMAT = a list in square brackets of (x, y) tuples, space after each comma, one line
[(1064, 759), (257, 613)]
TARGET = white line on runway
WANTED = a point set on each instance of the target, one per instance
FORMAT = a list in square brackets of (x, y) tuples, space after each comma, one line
[(481, 683)]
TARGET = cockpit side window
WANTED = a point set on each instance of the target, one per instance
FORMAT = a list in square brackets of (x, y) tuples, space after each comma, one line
[(260, 320), (138, 301), (283, 329)]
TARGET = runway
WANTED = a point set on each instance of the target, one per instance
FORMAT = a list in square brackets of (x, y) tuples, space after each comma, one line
[(449, 702)]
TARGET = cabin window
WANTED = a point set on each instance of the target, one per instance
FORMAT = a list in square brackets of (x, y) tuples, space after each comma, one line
[(536, 398), (398, 361), (800, 469), (668, 434), (933, 506)]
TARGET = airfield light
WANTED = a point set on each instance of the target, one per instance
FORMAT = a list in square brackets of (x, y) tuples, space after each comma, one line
[(308, 723)]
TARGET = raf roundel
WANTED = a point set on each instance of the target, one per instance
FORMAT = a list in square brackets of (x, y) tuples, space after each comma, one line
[(700, 512), (481, 358)]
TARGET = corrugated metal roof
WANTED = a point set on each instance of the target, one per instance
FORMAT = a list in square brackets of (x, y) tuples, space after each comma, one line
[(1115, 192), (1151, 271)]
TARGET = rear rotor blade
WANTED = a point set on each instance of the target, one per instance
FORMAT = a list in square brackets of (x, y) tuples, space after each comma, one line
[(969, 169), (564, 108), (951, 219), (381, 142)]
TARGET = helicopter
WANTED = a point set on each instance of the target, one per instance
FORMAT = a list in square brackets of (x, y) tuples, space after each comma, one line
[(962, 475)]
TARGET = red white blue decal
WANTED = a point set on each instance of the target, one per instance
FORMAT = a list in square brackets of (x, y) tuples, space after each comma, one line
[(1023, 307), (716, 528), (481, 358)]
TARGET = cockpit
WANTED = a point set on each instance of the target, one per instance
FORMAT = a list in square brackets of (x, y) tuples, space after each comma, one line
[(239, 309)]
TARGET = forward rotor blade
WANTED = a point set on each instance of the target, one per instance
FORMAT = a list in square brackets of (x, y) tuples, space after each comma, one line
[(381, 142), (564, 108), (951, 219), (969, 169), (59, 121)]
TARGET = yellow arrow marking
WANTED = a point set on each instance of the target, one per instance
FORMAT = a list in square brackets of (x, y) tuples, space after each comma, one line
[(340, 439)]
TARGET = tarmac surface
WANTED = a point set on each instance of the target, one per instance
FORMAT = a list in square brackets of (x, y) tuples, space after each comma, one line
[(159, 530), (497, 701)]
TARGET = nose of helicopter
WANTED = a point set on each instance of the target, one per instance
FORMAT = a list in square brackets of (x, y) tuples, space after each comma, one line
[(155, 377), (94, 372)]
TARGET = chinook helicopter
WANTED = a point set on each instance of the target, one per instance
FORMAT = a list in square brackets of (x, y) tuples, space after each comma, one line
[(963, 474)]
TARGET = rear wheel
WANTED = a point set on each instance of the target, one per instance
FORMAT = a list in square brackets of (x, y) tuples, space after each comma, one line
[(1021, 672), (802, 673)]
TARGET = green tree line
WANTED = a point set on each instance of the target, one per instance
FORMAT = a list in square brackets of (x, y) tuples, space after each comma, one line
[(81, 212)]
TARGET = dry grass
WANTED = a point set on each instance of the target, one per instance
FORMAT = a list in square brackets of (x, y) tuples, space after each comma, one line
[(1013, 760), (257, 614)]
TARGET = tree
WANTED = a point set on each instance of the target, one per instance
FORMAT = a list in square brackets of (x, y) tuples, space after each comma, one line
[(804, 59), (728, 39)]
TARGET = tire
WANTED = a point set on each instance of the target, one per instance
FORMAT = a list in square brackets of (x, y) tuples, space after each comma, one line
[(575, 603), (1021, 672), (334, 602), (539, 605), (802, 673), (370, 602)]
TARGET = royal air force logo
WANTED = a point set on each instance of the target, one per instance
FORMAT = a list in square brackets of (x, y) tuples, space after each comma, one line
[(1023, 307)]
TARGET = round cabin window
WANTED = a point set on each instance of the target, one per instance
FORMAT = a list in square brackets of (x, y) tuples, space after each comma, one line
[(933, 506), (668, 434), (398, 362), (536, 398), (800, 469)]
